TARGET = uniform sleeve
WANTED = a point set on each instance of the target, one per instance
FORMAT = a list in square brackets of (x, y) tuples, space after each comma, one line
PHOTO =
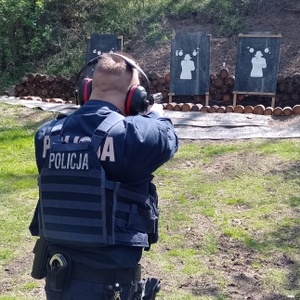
[(150, 142)]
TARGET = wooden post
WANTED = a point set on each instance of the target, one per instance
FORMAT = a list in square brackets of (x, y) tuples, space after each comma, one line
[(206, 99), (171, 97), (273, 102), (121, 41), (234, 100)]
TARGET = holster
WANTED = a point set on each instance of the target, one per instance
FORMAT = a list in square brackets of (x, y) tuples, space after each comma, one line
[(40, 259), (147, 289), (151, 288), (59, 269)]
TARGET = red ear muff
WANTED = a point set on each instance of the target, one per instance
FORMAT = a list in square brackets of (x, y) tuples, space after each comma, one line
[(136, 100), (84, 91)]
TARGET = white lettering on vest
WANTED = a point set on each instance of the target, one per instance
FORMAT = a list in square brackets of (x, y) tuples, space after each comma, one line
[(46, 145), (107, 151), (69, 161)]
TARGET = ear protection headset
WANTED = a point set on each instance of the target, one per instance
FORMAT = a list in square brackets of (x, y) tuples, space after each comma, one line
[(136, 98)]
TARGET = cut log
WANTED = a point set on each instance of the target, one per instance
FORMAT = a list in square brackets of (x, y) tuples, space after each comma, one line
[(277, 111), (287, 111), (221, 109), (196, 107), (259, 109), (296, 109), (213, 109), (229, 109), (178, 106), (187, 107), (269, 110), (204, 108), (239, 109), (229, 81), (224, 73), (227, 97), (164, 105), (212, 77), (218, 82), (170, 106), (248, 109)]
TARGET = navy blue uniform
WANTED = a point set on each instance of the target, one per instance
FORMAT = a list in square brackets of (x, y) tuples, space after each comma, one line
[(137, 146)]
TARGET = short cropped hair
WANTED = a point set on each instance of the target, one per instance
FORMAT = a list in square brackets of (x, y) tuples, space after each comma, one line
[(112, 64), (112, 72)]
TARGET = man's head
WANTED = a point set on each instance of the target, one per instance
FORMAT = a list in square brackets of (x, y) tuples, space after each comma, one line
[(113, 79)]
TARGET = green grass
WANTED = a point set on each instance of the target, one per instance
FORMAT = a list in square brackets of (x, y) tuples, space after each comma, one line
[(227, 210), (246, 193), (18, 186)]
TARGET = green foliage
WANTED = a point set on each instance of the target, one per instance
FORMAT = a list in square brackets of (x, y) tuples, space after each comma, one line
[(156, 33), (50, 35)]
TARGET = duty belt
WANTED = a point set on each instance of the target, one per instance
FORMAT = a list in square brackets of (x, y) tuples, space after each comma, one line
[(121, 276)]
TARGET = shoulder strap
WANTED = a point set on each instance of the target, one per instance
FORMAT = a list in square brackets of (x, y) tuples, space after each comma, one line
[(56, 129), (112, 119), (101, 131)]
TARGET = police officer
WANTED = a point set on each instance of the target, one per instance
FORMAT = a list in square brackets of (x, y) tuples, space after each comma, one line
[(97, 208)]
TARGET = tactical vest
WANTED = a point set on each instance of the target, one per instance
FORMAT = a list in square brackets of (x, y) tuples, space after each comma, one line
[(79, 206)]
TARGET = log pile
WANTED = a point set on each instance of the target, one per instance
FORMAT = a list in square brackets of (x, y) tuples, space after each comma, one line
[(221, 88), (220, 97), (46, 86), (287, 99), (288, 90), (159, 84), (258, 109)]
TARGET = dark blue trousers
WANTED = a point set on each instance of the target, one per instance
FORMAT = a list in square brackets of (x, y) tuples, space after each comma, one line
[(84, 290)]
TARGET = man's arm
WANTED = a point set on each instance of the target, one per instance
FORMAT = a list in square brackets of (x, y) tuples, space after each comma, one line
[(150, 142)]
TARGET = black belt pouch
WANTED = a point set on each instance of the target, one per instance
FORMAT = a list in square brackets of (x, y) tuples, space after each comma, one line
[(59, 275)]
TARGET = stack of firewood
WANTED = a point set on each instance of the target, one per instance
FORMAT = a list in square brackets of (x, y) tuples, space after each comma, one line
[(221, 88), (219, 97), (249, 109), (220, 91), (159, 84), (288, 90), (46, 86)]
